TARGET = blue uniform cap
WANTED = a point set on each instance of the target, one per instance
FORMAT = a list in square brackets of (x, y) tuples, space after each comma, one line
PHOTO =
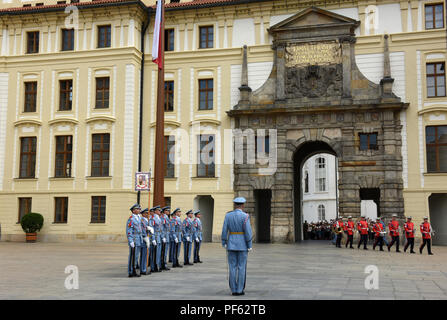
[(154, 208), (197, 212), (177, 209), (144, 210), (135, 206), (188, 212), (239, 200), (165, 208)]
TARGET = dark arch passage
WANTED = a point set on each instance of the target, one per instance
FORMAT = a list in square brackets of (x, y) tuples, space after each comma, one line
[(303, 152)]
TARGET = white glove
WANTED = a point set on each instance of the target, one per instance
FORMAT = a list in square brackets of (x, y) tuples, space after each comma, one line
[(151, 230), (147, 241), (225, 246), (187, 239), (250, 249), (154, 242), (176, 240), (164, 240), (132, 244), (197, 239)]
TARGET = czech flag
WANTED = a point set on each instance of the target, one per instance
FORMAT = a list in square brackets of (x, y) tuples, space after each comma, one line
[(157, 50)]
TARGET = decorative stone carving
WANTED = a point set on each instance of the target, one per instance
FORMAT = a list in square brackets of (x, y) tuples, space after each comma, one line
[(314, 81)]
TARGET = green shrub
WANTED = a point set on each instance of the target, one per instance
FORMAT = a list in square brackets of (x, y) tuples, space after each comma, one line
[(32, 222)]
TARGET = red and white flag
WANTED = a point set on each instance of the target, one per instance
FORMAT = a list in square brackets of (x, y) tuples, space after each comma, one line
[(157, 54)]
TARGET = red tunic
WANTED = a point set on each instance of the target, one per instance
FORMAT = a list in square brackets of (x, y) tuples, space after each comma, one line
[(363, 227), (409, 229), (349, 226), (425, 230), (394, 228), (377, 228)]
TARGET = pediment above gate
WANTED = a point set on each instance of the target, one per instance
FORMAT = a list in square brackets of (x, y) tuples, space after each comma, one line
[(314, 66)]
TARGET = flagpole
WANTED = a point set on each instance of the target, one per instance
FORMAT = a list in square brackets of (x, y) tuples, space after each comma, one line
[(159, 129)]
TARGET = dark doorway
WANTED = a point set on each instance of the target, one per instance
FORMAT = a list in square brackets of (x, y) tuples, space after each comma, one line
[(371, 194), (437, 203), (263, 202), (205, 204), (304, 152)]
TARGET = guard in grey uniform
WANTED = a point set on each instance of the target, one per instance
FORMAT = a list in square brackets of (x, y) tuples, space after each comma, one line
[(165, 226), (187, 230), (197, 236), (176, 237), (134, 238), (237, 240)]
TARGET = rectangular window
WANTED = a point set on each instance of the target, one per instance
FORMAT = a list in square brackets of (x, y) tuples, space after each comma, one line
[(64, 149), (262, 144), (169, 96), (60, 209), (30, 96), (206, 94), (436, 145), (169, 151), (205, 166), (169, 40), (24, 207), (434, 16), (100, 155), (98, 209), (67, 39), (65, 95), (436, 79), (32, 42), (206, 37), (27, 157), (368, 141), (104, 36), (168, 202), (102, 92), (320, 174)]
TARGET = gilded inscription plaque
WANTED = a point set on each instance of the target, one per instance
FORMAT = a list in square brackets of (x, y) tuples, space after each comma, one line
[(320, 53)]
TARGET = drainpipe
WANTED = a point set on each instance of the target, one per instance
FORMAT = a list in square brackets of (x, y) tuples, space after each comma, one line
[(140, 129)]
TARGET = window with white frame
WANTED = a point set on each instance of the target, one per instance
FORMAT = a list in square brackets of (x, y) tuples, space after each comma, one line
[(320, 174), (321, 212)]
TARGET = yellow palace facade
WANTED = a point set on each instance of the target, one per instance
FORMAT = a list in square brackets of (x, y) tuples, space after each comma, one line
[(76, 78)]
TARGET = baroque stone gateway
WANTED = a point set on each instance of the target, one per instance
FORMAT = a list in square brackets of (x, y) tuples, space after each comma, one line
[(318, 101)]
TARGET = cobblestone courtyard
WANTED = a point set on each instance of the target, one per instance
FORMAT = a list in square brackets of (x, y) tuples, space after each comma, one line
[(310, 270)]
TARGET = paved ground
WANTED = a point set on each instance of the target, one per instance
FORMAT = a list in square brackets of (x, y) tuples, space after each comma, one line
[(312, 270)]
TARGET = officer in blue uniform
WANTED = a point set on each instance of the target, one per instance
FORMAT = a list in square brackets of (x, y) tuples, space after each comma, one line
[(145, 245), (176, 235), (153, 242), (157, 233), (197, 236), (187, 230), (237, 240), (171, 236), (165, 226), (134, 239), (179, 234)]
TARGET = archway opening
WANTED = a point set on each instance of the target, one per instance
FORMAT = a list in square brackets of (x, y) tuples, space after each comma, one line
[(205, 204), (437, 203), (321, 173)]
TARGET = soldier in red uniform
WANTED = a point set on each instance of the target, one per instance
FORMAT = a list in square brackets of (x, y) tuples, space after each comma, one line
[(362, 227), (338, 229), (409, 234), (378, 234), (426, 231), (349, 228), (394, 232)]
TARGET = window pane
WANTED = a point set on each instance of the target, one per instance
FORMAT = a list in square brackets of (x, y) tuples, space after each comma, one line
[(442, 158), (431, 159), (431, 92), (430, 68), (373, 141)]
